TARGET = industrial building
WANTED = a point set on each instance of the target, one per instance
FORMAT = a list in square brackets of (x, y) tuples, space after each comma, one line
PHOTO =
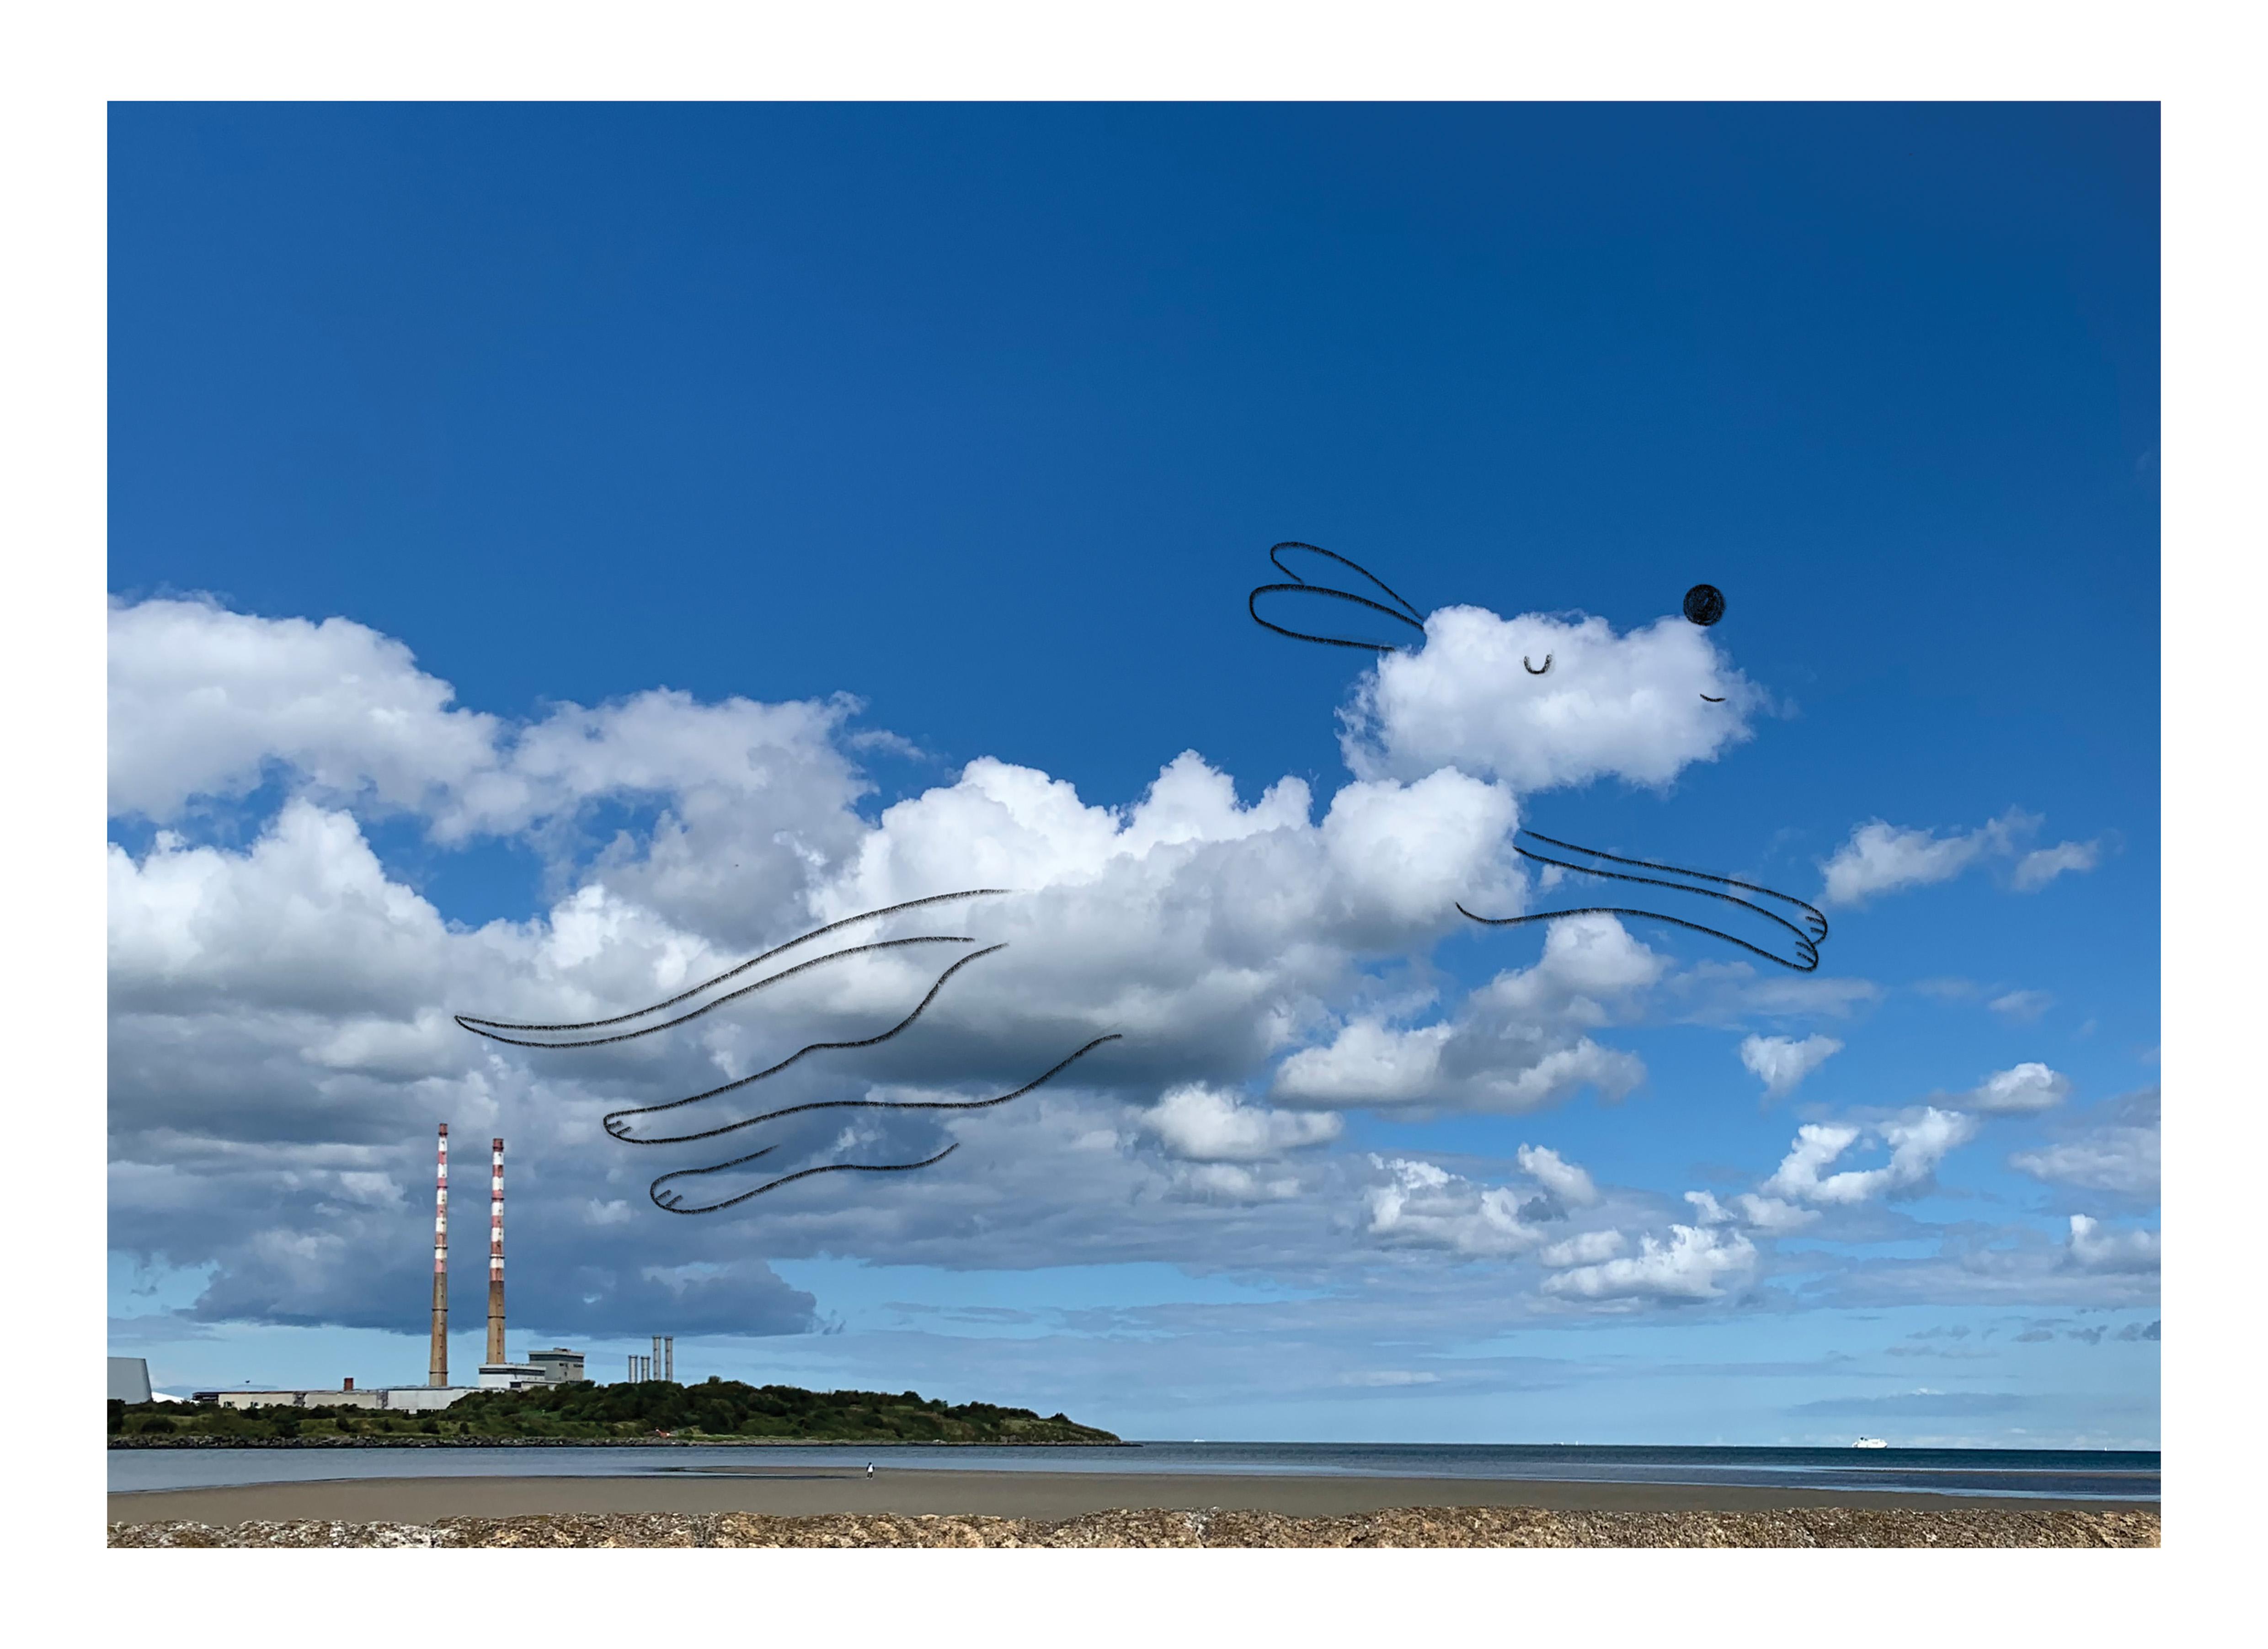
[(511, 1376), (554, 1366), (412, 1399), (559, 1365), (129, 1380)]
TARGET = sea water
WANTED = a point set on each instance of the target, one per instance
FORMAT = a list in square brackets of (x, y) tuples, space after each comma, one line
[(2047, 1473)]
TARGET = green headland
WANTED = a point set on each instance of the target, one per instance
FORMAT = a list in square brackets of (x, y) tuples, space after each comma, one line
[(714, 1411)]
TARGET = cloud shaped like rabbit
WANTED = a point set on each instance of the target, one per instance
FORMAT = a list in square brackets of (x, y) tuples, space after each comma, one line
[(1537, 702)]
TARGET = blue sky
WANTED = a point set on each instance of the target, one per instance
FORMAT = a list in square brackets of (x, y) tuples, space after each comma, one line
[(986, 417)]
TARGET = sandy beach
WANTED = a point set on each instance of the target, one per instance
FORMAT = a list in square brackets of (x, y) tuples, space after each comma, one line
[(788, 1491)]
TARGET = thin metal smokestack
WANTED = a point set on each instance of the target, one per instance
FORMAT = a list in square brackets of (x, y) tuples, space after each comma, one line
[(436, 1369), (495, 1252)]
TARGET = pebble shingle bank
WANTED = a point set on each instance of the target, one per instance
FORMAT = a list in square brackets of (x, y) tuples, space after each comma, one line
[(1473, 1526)]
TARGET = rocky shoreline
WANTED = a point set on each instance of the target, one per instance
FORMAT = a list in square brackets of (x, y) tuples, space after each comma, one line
[(1404, 1526)]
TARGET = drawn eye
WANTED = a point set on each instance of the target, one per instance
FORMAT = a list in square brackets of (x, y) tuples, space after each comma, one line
[(1705, 604)]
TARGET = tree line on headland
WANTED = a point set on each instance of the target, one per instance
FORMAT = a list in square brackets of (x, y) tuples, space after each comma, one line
[(715, 1410)]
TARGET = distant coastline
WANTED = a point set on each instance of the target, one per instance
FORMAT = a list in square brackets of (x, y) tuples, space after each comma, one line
[(642, 1414)]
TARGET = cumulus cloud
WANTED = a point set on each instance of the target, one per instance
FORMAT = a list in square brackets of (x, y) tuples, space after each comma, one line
[(281, 1009), (281, 1041), (1421, 1204), (1782, 1063), (1881, 857), (1590, 1248), (306, 919), (206, 704), (2097, 1247), (1771, 1214), (2030, 1086), (1208, 1125), (1918, 1140), (1694, 1264), (1767, 1214), (202, 700), (1626, 706), (1566, 1181), (1517, 1044)]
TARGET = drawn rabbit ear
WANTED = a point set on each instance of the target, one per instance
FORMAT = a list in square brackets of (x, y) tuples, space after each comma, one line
[(1328, 580)]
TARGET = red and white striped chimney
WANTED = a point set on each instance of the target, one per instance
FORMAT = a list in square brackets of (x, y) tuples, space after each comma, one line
[(436, 1368), (496, 1251)]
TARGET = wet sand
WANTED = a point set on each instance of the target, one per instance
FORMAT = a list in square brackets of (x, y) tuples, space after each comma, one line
[(787, 1491)]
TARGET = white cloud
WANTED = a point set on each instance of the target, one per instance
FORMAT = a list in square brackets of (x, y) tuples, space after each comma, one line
[(2024, 1088), (1693, 1264), (1422, 1204), (2122, 1160), (1368, 1062), (1767, 1214), (207, 703), (1918, 1141), (1627, 706), (2116, 1152), (1782, 1063), (2036, 869), (1771, 1214), (281, 1041), (1514, 1044), (2097, 1248), (1586, 1249), (1226, 1182), (1207, 1124), (202, 699), (292, 990), (1883, 858), (1816, 1145), (2023, 1006), (1565, 1180), (305, 919)]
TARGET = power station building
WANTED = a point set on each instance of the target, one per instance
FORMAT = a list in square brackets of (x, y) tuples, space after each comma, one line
[(413, 1399), (551, 1367)]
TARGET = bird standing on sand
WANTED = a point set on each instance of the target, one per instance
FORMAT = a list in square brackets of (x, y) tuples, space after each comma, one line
[(870, 1469)]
